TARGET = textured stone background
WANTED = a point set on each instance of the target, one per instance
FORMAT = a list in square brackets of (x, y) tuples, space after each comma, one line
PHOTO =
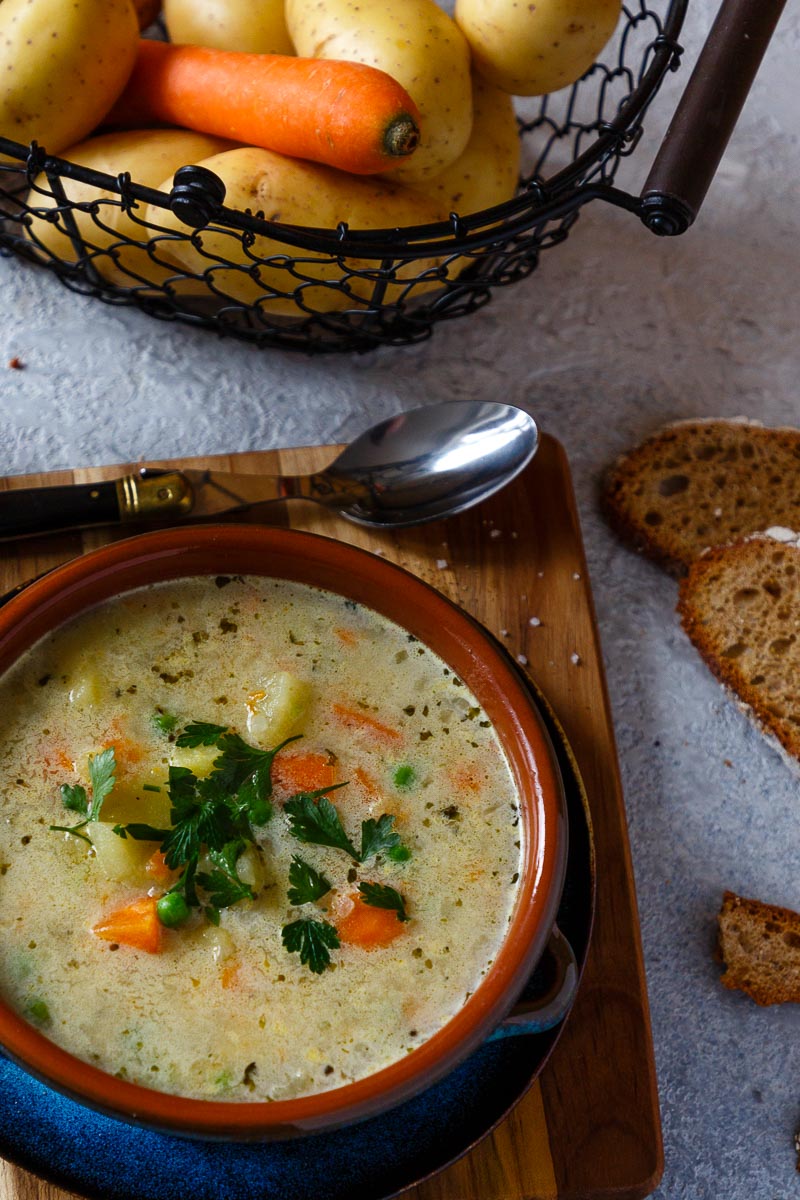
[(617, 332)]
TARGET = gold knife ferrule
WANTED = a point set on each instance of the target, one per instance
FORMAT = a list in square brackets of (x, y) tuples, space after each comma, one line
[(146, 496)]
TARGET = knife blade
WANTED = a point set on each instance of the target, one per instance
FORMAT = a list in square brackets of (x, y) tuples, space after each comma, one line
[(150, 495)]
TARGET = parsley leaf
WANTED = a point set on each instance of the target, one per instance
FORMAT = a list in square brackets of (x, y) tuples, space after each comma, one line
[(103, 775), (313, 819), (380, 895), (73, 796), (312, 940), (223, 889), (306, 883), (378, 835), (200, 733)]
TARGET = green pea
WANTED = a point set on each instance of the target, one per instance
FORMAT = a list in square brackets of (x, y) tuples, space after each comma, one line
[(405, 776), (172, 909)]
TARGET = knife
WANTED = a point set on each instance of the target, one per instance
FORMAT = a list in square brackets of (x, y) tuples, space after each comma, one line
[(152, 495)]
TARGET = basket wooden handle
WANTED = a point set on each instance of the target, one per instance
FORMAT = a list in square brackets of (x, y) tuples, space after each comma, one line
[(707, 114)]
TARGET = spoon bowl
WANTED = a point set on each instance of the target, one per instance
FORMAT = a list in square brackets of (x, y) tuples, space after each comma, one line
[(432, 462)]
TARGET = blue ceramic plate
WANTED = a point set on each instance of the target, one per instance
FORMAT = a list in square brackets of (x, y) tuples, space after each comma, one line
[(95, 1155)]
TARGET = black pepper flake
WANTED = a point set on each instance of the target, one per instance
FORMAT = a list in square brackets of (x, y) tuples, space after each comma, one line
[(452, 812), (199, 636), (223, 580), (328, 1070), (425, 734), (227, 626), (45, 679), (409, 710), (247, 1078), (25, 839), (221, 700), (352, 875), (114, 946)]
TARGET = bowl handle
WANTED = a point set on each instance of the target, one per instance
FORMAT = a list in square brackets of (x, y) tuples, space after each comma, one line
[(707, 112), (546, 1009)]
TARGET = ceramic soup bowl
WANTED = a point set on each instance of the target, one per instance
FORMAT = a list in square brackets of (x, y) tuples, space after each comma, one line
[(487, 672)]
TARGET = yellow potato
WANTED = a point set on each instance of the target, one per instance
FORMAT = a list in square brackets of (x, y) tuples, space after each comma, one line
[(294, 192), (532, 49), (255, 26), (63, 63), (419, 45), (149, 156), (487, 173)]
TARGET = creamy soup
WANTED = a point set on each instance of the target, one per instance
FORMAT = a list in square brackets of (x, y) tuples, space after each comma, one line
[(187, 911)]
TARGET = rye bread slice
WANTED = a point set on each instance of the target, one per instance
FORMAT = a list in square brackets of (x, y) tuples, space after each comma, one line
[(740, 606), (760, 947), (696, 484)]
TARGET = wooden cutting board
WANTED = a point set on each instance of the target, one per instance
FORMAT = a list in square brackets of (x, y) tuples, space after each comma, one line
[(589, 1128)]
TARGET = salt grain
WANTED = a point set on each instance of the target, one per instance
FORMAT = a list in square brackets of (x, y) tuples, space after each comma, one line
[(534, 621), (522, 660), (576, 574), (442, 564), (495, 533), (575, 659)]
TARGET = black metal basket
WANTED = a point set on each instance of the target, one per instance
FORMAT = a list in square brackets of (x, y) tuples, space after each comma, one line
[(392, 286)]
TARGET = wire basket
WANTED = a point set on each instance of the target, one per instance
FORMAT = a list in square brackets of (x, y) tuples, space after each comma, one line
[(386, 287)]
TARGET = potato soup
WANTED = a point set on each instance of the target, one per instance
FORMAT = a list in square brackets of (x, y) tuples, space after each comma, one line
[(257, 841)]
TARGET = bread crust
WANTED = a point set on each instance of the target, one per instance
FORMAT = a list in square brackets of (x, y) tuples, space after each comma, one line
[(725, 479), (750, 662), (760, 946)]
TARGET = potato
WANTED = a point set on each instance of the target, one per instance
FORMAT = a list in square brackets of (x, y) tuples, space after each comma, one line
[(130, 802), (419, 45), (149, 156), (63, 63), (532, 49), (487, 173), (197, 759), (295, 193), (255, 26), (276, 707), (120, 859)]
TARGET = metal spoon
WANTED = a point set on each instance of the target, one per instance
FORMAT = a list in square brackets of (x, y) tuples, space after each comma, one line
[(422, 465)]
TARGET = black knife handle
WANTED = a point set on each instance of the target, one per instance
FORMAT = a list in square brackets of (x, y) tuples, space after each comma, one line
[(147, 495), (28, 511)]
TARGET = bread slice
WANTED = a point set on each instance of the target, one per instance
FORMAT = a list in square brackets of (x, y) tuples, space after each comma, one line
[(696, 484), (760, 947), (740, 605)]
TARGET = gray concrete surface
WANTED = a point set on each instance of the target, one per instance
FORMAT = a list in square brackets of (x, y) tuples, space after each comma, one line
[(616, 333)]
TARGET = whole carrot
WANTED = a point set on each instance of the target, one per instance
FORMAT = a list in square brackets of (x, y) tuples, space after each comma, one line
[(345, 114)]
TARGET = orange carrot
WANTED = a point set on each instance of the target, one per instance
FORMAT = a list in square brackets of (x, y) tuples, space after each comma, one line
[(156, 867), (228, 976), (303, 772), (347, 115), (135, 924), (355, 718), (366, 926)]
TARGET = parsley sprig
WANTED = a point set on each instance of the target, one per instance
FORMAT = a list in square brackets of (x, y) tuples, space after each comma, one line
[(312, 940), (315, 820), (102, 776), (380, 895)]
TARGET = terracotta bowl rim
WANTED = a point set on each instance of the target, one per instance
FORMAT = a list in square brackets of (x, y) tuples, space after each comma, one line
[(68, 590)]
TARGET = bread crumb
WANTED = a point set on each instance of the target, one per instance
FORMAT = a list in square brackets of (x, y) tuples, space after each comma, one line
[(514, 533), (442, 564), (522, 660), (496, 533), (16, 364), (534, 621), (540, 574), (575, 659)]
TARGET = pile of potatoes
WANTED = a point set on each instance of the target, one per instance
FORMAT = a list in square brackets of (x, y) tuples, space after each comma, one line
[(63, 64)]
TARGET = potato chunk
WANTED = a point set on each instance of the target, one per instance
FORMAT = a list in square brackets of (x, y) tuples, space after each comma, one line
[(276, 707)]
